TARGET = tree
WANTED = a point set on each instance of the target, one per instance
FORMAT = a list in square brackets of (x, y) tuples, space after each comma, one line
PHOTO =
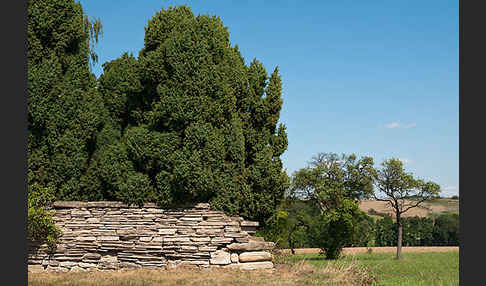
[(289, 226), (190, 122), (365, 235), (385, 234), (335, 184), (397, 187), (65, 111), (446, 229)]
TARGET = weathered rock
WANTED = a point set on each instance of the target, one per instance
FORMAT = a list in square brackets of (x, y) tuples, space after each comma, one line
[(209, 231), (67, 264), (207, 248), (220, 257), (111, 235), (108, 238), (109, 259), (202, 206), (176, 239), (255, 256), (167, 231), (77, 269), (92, 256), (86, 238), (256, 238), (242, 239), (221, 240), (251, 246), (87, 265), (128, 265), (201, 239), (249, 223)]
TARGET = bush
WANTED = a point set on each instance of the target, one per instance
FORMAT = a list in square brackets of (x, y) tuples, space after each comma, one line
[(331, 232), (40, 226)]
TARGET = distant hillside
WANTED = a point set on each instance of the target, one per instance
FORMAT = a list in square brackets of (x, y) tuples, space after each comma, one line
[(426, 208)]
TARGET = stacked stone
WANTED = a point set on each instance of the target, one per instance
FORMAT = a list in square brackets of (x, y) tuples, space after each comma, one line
[(111, 235), (246, 256)]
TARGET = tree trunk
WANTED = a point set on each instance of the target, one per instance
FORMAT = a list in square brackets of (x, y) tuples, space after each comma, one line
[(399, 239), (291, 242)]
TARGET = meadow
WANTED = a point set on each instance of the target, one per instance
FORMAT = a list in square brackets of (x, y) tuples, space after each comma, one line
[(428, 268)]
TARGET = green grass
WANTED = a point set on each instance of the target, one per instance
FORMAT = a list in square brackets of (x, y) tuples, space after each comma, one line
[(433, 268)]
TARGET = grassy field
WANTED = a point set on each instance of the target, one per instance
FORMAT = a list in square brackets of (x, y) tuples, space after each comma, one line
[(431, 268)]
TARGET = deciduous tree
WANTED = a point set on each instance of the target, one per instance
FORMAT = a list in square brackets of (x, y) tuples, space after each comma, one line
[(335, 184), (397, 187)]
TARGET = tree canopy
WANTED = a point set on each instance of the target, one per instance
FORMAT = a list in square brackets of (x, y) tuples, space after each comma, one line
[(334, 184), (402, 192), (186, 121)]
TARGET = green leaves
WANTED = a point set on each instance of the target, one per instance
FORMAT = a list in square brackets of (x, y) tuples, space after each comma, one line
[(334, 184), (186, 121), (398, 187)]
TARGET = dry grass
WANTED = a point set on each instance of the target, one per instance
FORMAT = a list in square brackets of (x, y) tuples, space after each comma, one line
[(300, 273)]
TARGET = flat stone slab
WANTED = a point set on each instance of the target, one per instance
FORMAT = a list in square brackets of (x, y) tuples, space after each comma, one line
[(255, 256), (249, 223), (251, 246), (220, 257)]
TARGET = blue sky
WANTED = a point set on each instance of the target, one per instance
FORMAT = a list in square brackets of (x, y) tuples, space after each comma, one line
[(374, 78)]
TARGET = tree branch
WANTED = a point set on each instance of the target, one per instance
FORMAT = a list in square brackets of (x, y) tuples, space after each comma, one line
[(416, 204)]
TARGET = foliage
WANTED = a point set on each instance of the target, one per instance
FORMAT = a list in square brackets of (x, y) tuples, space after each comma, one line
[(334, 230), (289, 227), (441, 229), (40, 226), (190, 122), (331, 179), (187, 121), (65, 111), (446, 229), (385, 234), (365, 233), (334, 185), (397, 187)]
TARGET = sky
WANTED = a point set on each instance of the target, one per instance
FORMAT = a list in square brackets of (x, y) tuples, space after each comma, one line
[(373, 78)]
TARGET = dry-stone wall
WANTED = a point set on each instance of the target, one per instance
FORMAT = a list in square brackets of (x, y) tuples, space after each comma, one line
[(111, 235)]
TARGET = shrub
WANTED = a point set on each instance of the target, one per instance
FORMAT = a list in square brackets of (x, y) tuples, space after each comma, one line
[(40, 226)]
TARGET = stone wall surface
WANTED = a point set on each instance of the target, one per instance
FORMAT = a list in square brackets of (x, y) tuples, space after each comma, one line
[(111, 235)]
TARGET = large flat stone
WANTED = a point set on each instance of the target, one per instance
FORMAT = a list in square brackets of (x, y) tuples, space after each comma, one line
[(251, 246), (255, 256), (220, 257)]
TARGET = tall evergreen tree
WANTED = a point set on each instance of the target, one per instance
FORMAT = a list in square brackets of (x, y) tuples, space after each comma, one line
[(65, 111), (190, 122)]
